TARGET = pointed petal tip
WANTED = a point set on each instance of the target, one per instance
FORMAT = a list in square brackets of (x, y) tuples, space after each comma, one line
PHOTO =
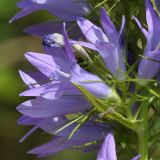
[(23, 94), (21, 140), (31, 55), (10, 21), (18, 108), (136, 157), (27, 54), (30, 152), (80, 20), (21, 72), (103, 11), (123, 18)]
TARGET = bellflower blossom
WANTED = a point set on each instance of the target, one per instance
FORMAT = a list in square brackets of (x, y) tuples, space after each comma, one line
[(59, 97), (60, 8), (82, 90), (62, 69), (148, 68), (87, 133), (109, 43), (108, 149)]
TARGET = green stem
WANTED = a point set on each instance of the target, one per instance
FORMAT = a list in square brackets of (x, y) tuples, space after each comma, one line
[(100, 4), (143, 134), (133, 125)]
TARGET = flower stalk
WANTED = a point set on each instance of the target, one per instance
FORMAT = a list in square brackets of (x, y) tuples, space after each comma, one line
[(143, 133)]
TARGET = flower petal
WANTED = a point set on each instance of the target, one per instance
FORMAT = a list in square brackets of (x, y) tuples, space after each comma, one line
[(25, 12), (114, 61), (90, 81), (68, 47), (41, 108), (144, 31), (108, 149), (53, 26), (136, 157), (29, 81), (108, 26), (91, 31), (24, 120), (60, 8), (44, 63), (149, 68)]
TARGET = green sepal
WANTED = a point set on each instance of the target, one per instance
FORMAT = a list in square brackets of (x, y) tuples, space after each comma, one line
[(97, 103)]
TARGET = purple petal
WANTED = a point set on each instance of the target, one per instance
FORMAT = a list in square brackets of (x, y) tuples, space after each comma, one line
[(45, 63), (60, 8), (55, 26), (108, 26), (90, 82), (60, 57), (24, 120), (85, 134), (136, 157), (140, 26), (108, 149), (30, 132), (121, 32), (153, 22), (29, 81), (43, 90), (151, 17), (89, 131), (56, 90), (91, 31), (25, 12), (149, 68), (41, 108), (56, 145), (68, 47), (46, 124), (113, 60), (52, 144)]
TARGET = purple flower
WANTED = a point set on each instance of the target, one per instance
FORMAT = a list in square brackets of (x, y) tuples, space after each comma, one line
[(60, 8), (61, 69), (109, 43), (87, 133), (56, 97), (148, 68), (108, 149)]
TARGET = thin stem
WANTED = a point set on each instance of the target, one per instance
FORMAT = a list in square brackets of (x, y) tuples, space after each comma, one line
[(113, 7), (143, 133), (100, 4)]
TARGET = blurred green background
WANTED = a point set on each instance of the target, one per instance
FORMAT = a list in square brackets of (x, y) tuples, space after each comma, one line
[(13, 44)]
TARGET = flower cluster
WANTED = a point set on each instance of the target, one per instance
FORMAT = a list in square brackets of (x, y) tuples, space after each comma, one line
[(84, 80), (67, 10)]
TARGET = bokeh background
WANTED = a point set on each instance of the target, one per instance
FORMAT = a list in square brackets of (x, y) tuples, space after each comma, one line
[(13, 44)]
